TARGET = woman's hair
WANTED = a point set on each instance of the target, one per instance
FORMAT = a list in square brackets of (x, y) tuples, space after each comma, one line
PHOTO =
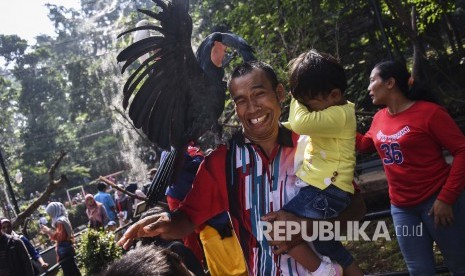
[(314, 74), (411, 88)]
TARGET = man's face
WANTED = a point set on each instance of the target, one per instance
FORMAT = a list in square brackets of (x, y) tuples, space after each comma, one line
[(257, 105), (6, 228)]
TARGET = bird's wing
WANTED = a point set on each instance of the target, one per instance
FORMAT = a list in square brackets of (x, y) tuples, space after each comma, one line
[(158, 93)]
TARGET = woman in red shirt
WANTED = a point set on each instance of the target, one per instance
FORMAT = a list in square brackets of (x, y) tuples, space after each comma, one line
[(426, 193)]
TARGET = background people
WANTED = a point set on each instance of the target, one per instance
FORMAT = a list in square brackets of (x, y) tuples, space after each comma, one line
[(123, 205)]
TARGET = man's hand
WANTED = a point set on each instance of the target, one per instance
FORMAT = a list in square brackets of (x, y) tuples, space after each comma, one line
[(151, 226), (442, 212), (280, 247)]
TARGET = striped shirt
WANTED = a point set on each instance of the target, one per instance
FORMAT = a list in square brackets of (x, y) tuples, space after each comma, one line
[(252, 185)]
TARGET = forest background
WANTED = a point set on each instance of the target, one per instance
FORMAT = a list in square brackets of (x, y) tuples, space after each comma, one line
[(64, 92)]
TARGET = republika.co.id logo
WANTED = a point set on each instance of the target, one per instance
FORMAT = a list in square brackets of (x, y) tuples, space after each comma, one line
[(325, 230)]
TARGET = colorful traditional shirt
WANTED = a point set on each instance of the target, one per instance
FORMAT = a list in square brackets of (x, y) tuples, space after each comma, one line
[(252, 185)]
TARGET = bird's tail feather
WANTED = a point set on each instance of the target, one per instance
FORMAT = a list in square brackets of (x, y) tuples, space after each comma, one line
[(163, 177)]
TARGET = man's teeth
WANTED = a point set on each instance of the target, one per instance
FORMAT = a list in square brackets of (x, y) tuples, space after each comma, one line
[(258, 120)]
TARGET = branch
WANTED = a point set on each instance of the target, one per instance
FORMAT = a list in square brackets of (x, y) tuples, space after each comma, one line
[(52, 186), (123, 115), (104, 179), (232, 126)]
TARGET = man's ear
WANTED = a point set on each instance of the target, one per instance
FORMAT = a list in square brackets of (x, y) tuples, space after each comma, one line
[(280, 92)]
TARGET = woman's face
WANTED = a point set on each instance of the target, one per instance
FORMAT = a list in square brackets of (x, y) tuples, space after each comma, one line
[(378, 88), (89, 201)]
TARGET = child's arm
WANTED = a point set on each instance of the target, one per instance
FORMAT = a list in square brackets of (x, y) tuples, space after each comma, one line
[(328, 122)]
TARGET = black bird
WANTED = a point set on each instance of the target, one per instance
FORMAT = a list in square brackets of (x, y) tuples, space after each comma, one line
[(174, 95)]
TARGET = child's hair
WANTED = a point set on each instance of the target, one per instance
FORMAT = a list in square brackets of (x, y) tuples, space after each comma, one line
[(411, 88), (315, 73)]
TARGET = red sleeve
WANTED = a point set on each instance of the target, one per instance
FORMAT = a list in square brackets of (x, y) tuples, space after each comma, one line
[(60, 233), (208, 196), (447, 134)]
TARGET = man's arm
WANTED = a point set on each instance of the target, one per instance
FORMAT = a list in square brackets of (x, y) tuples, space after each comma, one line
[(168, 226)]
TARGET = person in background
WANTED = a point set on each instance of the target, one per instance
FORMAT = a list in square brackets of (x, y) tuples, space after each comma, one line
[(33, 253), (150, 176), (426, 192), (123, 205), (131, 188), (111, 226), (138, 192), (96, 213), (14, 258), (63, 235), (105, 198)]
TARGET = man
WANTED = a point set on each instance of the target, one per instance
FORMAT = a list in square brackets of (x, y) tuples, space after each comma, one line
[(103, 197), (33, 253), (252, 176), (14, 259)]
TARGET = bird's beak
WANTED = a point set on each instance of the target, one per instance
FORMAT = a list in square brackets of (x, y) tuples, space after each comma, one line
[(228, 57)]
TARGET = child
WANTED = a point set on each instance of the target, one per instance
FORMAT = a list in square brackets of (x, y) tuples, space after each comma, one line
[(320, 110)]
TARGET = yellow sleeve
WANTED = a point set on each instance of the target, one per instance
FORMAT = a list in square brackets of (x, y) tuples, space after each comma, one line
[(325, 123)]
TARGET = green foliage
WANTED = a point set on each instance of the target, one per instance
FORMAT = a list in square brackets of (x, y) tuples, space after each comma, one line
[(77, 215), (12, 47), (96, 249)]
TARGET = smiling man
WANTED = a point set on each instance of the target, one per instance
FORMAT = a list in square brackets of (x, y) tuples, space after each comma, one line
[(253, 175)]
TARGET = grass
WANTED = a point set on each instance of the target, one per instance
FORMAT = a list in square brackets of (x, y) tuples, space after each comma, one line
[(381, 256)]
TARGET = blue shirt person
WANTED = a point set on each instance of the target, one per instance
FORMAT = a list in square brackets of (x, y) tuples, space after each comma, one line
[(105, 198)]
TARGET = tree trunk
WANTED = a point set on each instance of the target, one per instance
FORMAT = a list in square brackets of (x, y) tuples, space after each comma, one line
[(53, 184)]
